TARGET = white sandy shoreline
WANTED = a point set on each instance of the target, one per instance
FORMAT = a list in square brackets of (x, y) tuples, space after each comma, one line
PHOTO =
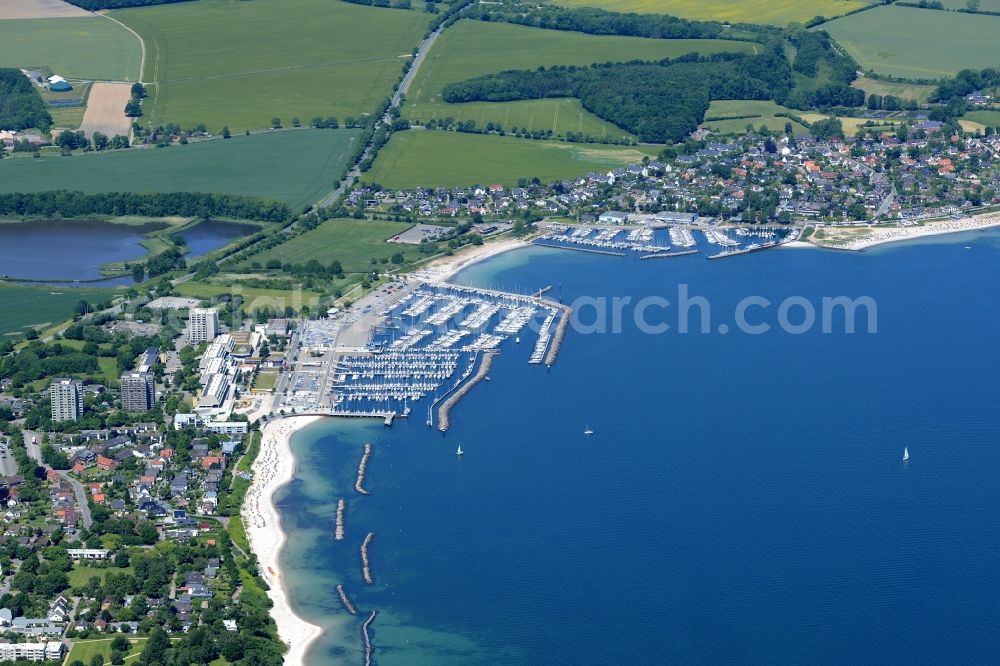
[(441, 270), (880, 236), (273, 468)]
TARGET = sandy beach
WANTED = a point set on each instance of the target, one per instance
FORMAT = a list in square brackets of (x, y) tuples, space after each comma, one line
[(440, 270), (872, 236), (273, 468)]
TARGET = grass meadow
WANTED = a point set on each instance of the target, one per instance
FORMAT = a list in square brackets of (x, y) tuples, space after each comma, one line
[(294, 166), (354, 243), (984, 117), (240, 64), (731, 116), (426, 158), (473, 48), (76, 48), (774, 12), (25, 307), (918, 43), (919, 92)]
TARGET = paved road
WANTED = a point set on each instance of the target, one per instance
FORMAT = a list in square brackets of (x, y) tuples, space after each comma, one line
[(35, 452)]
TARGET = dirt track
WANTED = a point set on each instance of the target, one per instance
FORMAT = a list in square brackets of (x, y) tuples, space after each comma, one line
[(106, 109), (28, 9)]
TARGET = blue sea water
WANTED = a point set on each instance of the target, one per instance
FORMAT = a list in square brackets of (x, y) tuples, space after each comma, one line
[(743, 498)]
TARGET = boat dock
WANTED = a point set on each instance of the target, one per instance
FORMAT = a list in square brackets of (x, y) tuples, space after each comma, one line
[(608, 253), (747, 250), (368, 643), (667, 255), (339, 533), (347, 602), (444, 420), (362, 467), (366, 570)]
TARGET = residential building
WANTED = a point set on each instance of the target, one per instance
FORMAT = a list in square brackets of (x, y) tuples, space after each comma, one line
[(138, 391), (203, 325), (67, 399), (31, 651)]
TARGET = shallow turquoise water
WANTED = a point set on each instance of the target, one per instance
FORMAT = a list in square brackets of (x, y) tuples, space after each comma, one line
[(742, 500)]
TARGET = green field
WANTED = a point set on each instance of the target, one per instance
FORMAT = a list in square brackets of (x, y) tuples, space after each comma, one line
[(918, 43), (23, 307), (916, 91), (86, 650), (984, 5), (354, 243), (294, 166), (731, 116), (984, 117), (776, 12), (473, 48), (253, 297), (242, 63), (76, 48), (420, 158)]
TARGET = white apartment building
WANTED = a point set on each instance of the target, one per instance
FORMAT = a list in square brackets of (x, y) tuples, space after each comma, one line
[(203, 325), (67, 399)]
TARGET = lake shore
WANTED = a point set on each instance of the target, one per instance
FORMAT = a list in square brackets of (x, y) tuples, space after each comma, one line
[(874, 236), (273, 469)]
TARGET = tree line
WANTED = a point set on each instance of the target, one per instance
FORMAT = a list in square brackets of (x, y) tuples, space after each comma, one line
[(95, 5), (185, 204), (657, 101), (21, 106), (599, 22)]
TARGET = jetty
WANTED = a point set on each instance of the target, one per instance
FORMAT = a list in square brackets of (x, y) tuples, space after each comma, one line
[(609, 253), (368, 643), (362, 467), (541, 292), (347, 602), (665, 255), (366, 570), (746, 250), (560, 333), (341, 505), (444, 420)]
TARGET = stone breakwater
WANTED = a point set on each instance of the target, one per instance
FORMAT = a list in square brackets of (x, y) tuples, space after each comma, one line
[(341, 505), (366, 569), (362, 466), (347, 602), (444, 420)]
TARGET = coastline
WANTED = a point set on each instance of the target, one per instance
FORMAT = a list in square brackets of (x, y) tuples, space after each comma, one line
[(876, 236), (273, 469), (441, 270)]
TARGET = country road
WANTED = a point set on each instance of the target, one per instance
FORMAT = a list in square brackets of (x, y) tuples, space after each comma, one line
[(397, 98)]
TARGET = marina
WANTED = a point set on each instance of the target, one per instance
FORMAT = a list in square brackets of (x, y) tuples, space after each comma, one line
[(428, 344)]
